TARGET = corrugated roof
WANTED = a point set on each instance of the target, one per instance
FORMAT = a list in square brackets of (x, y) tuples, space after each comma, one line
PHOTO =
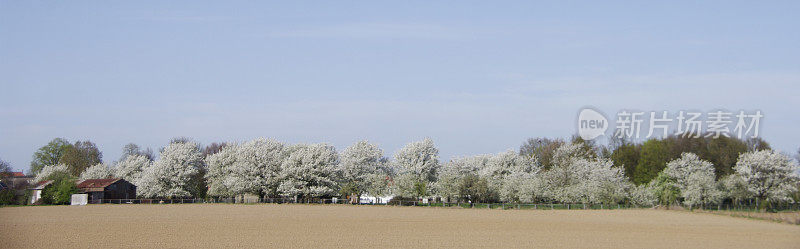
[(42, 184), (17, 174), (11, 174), (97, 183)]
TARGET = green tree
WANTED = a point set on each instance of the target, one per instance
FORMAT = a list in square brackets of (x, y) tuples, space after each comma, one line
[(421, 188), (49, 154), (665, 189), (6, 196), (81, 155), (653, 158), (757, 144), (723, 152), (627, 157), (61, 190)]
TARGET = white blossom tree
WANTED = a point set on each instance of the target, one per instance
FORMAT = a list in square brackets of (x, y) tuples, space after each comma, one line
[(417, 164), (453, 172), (506, 170), (250, 168), (735, 188), (98, 171), (523, 187), (50, 170), (603, 183), (364, 170), (175, 174), (568, 152), (506, 163), (643, 195), (220, 171), (695, 179), (310, 171), (578, 177), (131, 168), (380, 183), (612, 186), (769, 175)]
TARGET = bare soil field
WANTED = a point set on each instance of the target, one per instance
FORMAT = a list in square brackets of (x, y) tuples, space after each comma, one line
[(312, 226), (784, 217)]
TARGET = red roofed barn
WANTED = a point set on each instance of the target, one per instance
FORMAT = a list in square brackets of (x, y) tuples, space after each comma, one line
[(112, 188)]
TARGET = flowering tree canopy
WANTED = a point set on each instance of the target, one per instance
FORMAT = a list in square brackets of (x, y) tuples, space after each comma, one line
[(249, 168), (420, 159), (695, 179), (577, 177), (734, 187), (576, 174), (769, 175), (451, 174), (417, 164), (360, 159), (98, 171), (47, 171), (131, 168), (175, 174), (365, 170), (310, 171)]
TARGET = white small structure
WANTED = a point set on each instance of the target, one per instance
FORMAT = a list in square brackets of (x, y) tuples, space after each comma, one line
[(80, 199), (248, 198), (37, 191), (366, 199)]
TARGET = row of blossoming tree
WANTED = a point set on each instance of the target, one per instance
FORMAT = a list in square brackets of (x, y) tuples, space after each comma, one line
[(573, 174)]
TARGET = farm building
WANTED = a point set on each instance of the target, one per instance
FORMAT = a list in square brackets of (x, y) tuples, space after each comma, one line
[(16, 180), (112, 188), (37, 190)]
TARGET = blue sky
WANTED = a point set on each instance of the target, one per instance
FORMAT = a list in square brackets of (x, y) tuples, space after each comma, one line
[(477, 77)]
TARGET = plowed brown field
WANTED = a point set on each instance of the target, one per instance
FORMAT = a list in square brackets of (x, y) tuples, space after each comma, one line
[(312, 226)]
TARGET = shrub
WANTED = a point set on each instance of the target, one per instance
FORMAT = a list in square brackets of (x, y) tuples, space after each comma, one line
[(405, 201), (6, 197), (60, 191)]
